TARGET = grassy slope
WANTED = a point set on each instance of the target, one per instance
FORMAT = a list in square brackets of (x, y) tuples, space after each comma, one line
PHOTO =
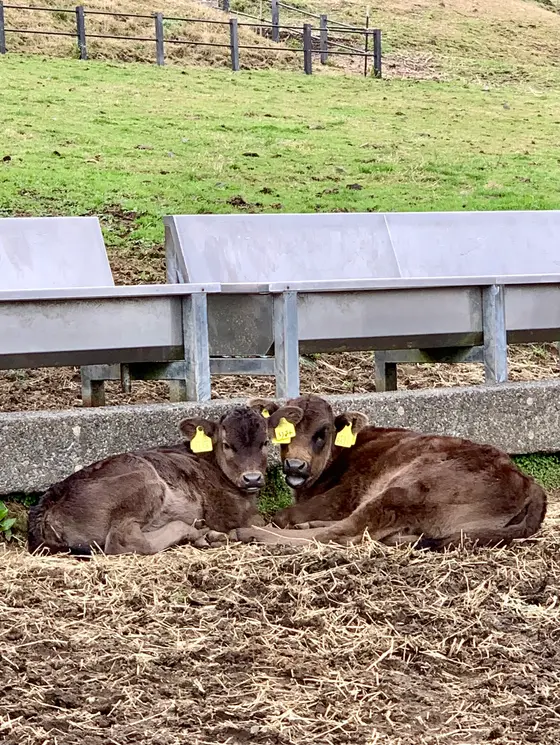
[(131, 51), (86, 138), (491, 40), (472, 40)]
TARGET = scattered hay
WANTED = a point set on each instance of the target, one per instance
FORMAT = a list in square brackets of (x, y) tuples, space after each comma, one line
[(352, 372), (287, 646)]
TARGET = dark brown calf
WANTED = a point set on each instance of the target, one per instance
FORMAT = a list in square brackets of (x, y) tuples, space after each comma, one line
[(146, 501), (399, 485)]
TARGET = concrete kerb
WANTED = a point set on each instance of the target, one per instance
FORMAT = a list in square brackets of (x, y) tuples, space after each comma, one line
[(39, 448)]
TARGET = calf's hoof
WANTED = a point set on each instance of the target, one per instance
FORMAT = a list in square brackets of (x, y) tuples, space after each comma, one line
[(244, 535)]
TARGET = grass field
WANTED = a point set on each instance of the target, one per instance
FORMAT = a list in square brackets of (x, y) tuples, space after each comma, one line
[(132, 143)]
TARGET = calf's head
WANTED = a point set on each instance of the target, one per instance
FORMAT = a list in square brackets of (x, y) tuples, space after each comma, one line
[(238, 442), (315, 441)]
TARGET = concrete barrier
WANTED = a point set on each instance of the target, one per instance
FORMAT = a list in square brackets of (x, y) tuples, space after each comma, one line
[(39, 448)]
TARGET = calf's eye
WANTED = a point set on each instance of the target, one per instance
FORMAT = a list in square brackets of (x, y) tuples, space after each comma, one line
[(321, 434)]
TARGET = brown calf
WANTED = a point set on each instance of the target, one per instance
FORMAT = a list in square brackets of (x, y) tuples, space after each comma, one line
[(399, 485), (144, 501)]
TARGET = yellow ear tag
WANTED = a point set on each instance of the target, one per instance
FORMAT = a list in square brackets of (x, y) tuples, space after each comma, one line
[(201, 443), (265, 413), (345, 438), (283, 432)]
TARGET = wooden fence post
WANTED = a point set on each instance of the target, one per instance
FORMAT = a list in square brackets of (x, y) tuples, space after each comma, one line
[(307, 63), (275, 11), (324, 39), (81, 30), (2, 30), (377, 53), (234, 44), (160, 54)]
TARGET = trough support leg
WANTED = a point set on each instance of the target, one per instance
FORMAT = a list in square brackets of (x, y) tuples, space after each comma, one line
[(495, 334), (93, 391), (385, 373), (196, 386), (286, 345)]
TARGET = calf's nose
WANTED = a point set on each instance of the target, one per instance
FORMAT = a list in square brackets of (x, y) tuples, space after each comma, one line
[(296, 466), (253, 479)]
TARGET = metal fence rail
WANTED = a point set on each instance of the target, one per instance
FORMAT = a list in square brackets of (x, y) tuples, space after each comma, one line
[(320, 45)]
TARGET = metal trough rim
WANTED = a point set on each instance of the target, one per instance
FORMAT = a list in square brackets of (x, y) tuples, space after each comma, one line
[(110, 292)]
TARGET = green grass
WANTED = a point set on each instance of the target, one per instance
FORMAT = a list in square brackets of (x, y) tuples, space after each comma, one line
[(544, 468), (132, 143)]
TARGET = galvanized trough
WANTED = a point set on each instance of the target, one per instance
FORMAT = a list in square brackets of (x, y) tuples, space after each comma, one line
[(354, 248)]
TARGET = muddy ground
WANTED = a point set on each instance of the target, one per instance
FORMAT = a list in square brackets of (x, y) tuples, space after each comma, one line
[(253, 645), (59, 388)]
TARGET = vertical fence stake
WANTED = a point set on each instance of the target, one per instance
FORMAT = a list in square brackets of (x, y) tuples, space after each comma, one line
[(225, 6), (324, 39), (160, 54), (377, 52), (81, 29), (275, 11), (234, 44), (307, 64), (366, 44), (2, 31)]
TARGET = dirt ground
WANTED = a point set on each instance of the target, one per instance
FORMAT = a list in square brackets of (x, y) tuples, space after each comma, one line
[(59, 388), (264, 646)]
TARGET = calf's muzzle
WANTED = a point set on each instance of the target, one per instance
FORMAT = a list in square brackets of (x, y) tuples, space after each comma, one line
[(296, 472), (252, 481)]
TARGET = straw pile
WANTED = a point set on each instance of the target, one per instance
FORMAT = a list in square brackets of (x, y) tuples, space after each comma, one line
[(283, 646)]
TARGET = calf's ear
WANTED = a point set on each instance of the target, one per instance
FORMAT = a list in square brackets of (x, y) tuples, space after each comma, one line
[(355, 419), (292, 414), (191, 427), (263, 406)]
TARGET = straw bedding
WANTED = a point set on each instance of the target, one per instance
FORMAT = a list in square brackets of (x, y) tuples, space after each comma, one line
[(251, 644)]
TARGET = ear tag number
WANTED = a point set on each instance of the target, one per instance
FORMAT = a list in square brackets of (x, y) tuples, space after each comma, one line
[(201, 443), (265, 413), (345, 438), (283, 432)]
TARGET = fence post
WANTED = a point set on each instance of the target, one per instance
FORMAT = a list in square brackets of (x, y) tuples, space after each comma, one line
[(324, 39), (234, 44), (2, 31), (160, 55), (366, 44), (225, 6), (81, 29), (275, 11), (307, 64), (377, 53)]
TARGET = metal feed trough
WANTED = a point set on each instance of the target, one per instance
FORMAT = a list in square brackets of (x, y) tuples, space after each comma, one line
[(59, 306), (355, 247), (158, 330), (38, 253)]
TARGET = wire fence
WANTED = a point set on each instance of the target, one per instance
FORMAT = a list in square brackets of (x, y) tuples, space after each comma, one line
[(324, 44)]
